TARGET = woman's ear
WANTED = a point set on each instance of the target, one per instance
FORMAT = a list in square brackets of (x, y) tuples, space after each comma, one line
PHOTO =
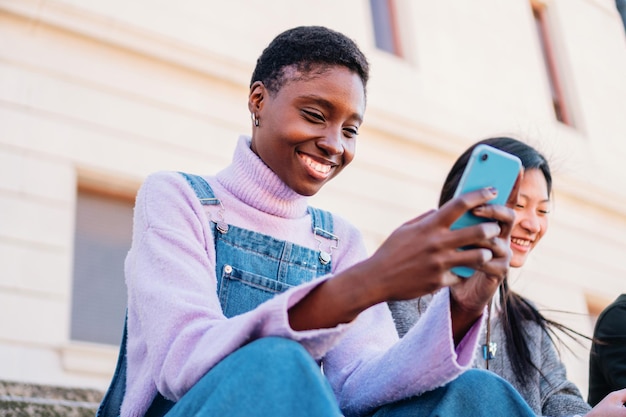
[(255, 98)]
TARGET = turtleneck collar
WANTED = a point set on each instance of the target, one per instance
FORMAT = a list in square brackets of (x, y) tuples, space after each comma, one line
[(254, 183)]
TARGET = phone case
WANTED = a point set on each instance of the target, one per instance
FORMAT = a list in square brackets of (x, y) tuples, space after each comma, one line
[(487, 167)]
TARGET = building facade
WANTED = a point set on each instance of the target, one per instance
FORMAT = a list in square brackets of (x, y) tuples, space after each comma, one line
[(95, 95)]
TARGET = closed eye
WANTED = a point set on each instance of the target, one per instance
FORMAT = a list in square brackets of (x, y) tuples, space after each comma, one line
[(350, 132), (313, 116)]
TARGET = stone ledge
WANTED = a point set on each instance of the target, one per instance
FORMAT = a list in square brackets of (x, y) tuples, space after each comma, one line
[(20, 408), (26, 400)]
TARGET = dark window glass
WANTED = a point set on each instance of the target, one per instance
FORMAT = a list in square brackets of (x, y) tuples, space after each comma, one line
[(621, 8), (552, 71), (385, 26), (102, 240)]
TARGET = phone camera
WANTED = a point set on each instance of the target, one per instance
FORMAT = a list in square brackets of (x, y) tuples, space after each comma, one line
[(484, 157)]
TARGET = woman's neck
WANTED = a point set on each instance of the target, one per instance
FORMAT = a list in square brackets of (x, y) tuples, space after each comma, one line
[(253, 182)]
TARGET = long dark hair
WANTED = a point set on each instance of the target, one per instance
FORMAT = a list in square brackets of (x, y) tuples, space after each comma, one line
[(516, 309)]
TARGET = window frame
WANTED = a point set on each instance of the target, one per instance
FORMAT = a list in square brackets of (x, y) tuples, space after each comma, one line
[(386, 27), (560, 104)]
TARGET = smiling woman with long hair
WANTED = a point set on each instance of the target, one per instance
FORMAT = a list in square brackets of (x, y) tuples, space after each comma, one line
[(518, 341)]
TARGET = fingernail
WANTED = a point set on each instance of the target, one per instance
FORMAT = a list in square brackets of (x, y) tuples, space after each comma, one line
[(492, 190)]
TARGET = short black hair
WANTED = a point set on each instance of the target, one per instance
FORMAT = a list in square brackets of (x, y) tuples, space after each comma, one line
[(307, 48)]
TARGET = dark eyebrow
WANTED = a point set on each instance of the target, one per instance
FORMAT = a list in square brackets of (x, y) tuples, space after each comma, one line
[(329, 105)]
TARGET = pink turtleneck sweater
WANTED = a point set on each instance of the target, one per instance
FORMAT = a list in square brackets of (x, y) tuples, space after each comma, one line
[(176, 329)]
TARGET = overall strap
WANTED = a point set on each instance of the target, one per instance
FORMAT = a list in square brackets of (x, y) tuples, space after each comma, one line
[(203, 190), (322, 224), (205, 194)]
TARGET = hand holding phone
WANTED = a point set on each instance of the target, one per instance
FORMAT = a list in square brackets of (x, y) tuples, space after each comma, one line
[(487, 167)]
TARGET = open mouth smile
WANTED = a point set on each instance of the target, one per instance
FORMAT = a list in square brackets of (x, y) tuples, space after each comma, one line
[(521, 242), (316, 168)]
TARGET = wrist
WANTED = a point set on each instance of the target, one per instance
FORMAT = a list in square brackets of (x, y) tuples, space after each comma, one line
[(360, 287), (462, 319), (472, 312)]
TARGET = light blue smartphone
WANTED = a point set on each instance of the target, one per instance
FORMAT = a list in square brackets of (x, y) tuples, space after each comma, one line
[(487, 167)]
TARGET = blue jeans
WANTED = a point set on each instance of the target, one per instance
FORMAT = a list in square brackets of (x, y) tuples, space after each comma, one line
[(475, 393), (270, 377), (276, 377)]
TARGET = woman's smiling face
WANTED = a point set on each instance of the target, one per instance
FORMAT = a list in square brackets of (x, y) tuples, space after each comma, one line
[(307, 129), (531, 216)]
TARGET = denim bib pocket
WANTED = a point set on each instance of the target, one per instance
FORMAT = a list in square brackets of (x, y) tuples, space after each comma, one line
[(242, 291)]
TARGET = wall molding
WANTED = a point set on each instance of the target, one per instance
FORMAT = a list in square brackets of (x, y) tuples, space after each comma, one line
[(122, 35)]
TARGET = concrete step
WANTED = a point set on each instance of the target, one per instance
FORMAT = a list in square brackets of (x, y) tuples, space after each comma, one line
[(32, 400)]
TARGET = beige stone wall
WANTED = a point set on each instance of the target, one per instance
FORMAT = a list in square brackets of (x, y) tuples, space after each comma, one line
[(110, 91)]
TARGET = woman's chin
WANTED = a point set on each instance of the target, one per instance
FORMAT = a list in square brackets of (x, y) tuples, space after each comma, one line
[(517, 261)]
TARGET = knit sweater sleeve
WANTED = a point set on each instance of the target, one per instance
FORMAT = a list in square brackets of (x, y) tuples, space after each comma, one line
[(176, 329), (370, 367)]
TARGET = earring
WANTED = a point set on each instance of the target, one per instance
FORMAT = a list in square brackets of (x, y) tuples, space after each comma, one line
[(255, 119)]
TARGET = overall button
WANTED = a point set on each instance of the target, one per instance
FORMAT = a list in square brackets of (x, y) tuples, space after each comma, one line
[(228, 269)]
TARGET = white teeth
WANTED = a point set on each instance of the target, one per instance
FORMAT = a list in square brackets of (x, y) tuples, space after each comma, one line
[(521, 242), (321, 168)]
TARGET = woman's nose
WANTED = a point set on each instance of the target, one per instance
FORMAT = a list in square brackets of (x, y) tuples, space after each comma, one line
[(332, 142), (531, 223)]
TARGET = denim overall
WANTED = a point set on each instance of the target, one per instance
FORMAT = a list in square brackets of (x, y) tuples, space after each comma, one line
[(251, 268)]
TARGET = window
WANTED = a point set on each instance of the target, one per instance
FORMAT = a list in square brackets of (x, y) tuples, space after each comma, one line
[(559, 104), (102, 239), (621, 8), (386, 30)]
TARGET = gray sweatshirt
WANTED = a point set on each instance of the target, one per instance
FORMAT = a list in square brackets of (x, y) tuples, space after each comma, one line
[(550, 394)]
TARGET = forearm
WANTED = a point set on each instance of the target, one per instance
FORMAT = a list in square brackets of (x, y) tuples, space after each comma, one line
[(336, 301)]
